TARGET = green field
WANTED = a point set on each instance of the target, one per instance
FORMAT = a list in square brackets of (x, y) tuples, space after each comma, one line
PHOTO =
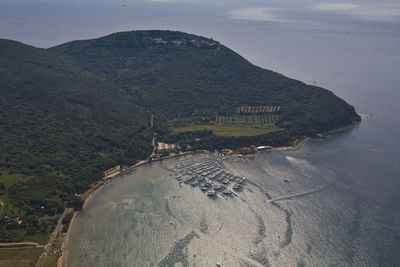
[(227, 130), (10, 179), (44, 223), (181, 122), (51, 261), (6, 208), (19, 257), (236, 125), (256, 121)]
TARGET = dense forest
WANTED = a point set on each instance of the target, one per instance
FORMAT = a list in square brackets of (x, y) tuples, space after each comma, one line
[(70, 112)]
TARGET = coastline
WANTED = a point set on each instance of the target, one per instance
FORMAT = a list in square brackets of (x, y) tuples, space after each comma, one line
[(341, 129), (63, 259), (297, 145)]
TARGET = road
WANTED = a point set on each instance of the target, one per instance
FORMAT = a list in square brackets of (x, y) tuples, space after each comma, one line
[(51, 240), (153, 141), (16, 244)]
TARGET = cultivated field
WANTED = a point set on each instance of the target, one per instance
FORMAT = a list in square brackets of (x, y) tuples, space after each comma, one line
[(180, 122), (227, 130), (235, 125), (19, 257), (256, 121)]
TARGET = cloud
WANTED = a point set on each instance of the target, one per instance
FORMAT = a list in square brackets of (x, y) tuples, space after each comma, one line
[(334, 6), (384, 13), (256, 13)]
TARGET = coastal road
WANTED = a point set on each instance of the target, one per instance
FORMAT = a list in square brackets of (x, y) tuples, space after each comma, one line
[(51, 240), (153, 141)]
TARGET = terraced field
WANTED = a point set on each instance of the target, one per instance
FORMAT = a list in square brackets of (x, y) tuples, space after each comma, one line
[(256, 121), (180, 122)]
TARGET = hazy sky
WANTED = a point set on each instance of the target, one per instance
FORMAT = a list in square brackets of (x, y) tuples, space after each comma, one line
[(45, 23)]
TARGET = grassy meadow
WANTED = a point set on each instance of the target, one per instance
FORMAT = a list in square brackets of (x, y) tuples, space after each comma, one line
[(20, 257), (236, 125), (227, 130)]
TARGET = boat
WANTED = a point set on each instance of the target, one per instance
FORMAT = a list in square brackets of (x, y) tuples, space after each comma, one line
[(188, 179), (211, 193), (226, 192), (236, 186), (217, 187)]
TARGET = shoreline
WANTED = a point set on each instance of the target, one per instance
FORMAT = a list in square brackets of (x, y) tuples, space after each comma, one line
[(297, 145), (341, 129), (63, 259)]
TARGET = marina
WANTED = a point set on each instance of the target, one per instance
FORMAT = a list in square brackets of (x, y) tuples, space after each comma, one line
[(210, 176)]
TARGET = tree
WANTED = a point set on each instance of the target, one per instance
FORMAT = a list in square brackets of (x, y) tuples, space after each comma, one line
[(76, 203)]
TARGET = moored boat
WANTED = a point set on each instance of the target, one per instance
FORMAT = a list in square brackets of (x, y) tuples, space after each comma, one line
[(211, 193), (217, 187), (226, 192)]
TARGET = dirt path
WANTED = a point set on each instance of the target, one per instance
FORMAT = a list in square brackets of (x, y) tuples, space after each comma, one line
[(19, 244), (2, 206)]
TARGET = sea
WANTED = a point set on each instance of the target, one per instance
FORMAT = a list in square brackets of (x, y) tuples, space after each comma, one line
[(335, 202)]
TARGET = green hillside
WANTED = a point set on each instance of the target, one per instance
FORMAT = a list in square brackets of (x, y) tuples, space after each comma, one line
[(176, 80), (60, 127), (70, 112)]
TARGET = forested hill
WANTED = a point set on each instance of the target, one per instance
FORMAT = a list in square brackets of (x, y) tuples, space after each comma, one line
[(174, 73), (57, 116), (68, 113), (60, 127)]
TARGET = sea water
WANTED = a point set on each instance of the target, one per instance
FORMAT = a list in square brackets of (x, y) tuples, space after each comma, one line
[(311, 207), (340, 204)]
